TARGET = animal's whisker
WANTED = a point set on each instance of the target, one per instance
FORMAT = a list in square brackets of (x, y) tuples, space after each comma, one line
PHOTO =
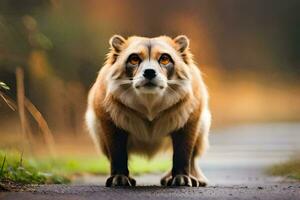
[(176, 82), (138, 78), (124, 82)]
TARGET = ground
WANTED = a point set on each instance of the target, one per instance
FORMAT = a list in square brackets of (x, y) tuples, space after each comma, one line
[(235, 165), (156, 192)]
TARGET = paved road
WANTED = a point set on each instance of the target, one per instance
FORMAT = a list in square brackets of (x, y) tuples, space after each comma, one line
[(155, 192), (240, 155), (235, 166)]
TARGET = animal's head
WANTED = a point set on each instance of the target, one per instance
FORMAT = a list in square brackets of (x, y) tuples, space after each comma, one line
[(147, 67)]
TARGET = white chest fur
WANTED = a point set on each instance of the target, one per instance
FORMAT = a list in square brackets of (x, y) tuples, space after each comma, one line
[(145, 130)]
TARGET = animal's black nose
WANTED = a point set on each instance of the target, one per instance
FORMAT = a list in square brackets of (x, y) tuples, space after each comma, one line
[(149, 74)]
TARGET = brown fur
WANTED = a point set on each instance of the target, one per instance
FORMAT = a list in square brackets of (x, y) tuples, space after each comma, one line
[(122, 119)]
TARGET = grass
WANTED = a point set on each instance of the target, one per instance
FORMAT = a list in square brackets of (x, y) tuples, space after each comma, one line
[(138, 165), (70, 165), (14, 168), (4, 86), (290, 169), (26, 169)]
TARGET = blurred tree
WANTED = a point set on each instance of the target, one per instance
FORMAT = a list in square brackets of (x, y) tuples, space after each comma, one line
[(62, 44)]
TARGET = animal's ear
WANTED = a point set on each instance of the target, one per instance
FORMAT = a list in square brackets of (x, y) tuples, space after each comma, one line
[(116, 42), (182, 43)]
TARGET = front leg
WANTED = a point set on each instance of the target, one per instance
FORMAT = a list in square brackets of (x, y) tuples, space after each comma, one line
[(183, 142), (116, 145)]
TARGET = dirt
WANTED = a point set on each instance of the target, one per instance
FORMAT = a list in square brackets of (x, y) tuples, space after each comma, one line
[(7, 185)]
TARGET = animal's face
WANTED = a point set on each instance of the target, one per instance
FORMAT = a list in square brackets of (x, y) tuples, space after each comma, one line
[(149, 70), (149, 66)]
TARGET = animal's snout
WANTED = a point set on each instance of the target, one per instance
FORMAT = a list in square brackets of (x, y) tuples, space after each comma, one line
[(149, 74)]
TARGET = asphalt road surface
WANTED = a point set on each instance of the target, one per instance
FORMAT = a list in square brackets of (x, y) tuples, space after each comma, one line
[(235, 166)]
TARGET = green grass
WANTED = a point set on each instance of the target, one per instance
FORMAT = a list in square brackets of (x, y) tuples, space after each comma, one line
[(61, 169), (17, 169), (69, 165), (138, 165), (290, 169)]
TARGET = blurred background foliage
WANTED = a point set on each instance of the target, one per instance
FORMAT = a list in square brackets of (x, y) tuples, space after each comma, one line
[(248, 52)]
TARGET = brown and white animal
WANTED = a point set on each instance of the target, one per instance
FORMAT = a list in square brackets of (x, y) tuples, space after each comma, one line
[(149, 96)]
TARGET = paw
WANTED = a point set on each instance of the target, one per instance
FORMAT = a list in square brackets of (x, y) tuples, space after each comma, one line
[(185, 180), (120, 180), (200, 183), (164, 180)]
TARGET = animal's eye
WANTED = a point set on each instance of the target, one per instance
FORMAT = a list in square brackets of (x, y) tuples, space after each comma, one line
[(134, 59), (164, 59)]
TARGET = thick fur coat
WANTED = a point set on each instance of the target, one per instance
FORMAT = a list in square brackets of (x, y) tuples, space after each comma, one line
[(150, 96)]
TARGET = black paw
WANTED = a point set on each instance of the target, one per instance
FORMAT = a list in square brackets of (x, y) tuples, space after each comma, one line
[(183, 180), (120, 180)]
